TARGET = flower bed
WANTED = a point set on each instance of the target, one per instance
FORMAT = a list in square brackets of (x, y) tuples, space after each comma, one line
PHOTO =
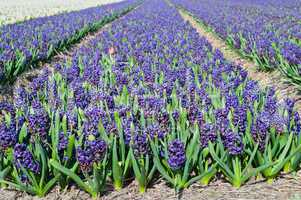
[(267, 32), (146, 98), (25, 43)]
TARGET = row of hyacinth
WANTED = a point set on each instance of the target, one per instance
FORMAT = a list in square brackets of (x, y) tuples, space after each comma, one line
[(268, 32), (147, 98), (18, 11), (21, 44)]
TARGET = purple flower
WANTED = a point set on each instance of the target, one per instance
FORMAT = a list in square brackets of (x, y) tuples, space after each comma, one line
[(8, 136), (39, 123), (176, 154), (208, 133), (21, 98), (289, 106), (6, 107), (222, 121), (140, 145), (81, 97), (233, 142), (231, 101), (63, 141), (154, 130), (240, 118), (92, 152), (23, 157), (297, 123), (260, 129), (271, 103)]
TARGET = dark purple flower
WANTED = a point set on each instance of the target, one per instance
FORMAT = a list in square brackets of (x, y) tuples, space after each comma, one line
[(140, 145), (176, 154), (23, 157), (63, 141), (297, 123), (221, 118), (92, 152), (233, 142), (81, 97), (240, 118), (6, 107), (8, 136), (208, 133), (289, 106), (39, 123), (154, 130), (260, 129)]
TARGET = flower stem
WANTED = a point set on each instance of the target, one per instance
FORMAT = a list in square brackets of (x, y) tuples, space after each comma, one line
[(117, 185), (142, 189)]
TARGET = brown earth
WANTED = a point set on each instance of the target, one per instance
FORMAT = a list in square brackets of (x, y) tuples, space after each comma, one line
[(286, 187)]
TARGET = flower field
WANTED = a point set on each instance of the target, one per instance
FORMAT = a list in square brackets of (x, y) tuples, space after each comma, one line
[(268, 32), (37, 39), (145, 98)]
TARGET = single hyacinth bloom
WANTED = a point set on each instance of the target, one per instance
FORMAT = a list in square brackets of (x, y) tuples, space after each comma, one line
[(24, 158), (8, 136), (140, 145), (176, 154), (92, 152)]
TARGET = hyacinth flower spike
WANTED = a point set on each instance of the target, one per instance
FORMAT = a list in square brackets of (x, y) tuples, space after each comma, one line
[(8, 138), (92, 162), (31, 173), (205, 162), (178, 162), (141, 161), (295, 126)]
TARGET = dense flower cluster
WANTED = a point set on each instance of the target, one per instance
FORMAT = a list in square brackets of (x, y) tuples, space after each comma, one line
[(39, 123), (149, 83), (36, 39), (257, 28)]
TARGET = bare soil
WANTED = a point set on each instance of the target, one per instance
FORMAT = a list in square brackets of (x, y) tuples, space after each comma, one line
[(286, 187)]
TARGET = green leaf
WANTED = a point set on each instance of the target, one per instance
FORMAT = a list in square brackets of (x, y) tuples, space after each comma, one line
[(158, 164), (50, 184), (72, 175), (250, 159), (199, 177), (23, 133), (220, 162), (4, 172), (281, 163), (140, 177), (117, 172), (44, 163), (20, 187), (255, 171)]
